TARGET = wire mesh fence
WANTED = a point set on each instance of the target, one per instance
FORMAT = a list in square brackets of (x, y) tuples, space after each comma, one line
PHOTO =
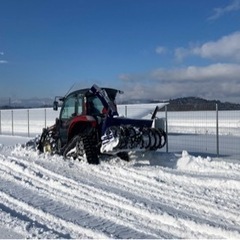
[(26, 122), (209, 132)]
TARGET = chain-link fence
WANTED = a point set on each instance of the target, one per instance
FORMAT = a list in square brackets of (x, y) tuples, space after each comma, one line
[(26, 122), (209, 132)]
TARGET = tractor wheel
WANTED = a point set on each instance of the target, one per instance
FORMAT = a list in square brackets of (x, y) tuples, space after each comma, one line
[(49, 144), (81, 147)]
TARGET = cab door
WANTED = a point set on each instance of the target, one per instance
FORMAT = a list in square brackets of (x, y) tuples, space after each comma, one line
[(72, 107)]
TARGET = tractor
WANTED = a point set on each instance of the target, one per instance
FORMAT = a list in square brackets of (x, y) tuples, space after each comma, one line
[(89, 125)]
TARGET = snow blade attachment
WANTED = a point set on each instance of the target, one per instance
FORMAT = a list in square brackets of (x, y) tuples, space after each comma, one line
[(132, 137)]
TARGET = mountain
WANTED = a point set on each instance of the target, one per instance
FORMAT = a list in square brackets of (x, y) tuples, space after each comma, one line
[(195, 103), (178, 104)]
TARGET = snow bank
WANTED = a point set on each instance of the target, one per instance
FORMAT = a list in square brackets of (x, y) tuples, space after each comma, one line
[(188, 162)]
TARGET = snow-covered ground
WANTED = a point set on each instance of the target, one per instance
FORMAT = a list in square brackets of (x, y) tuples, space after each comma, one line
[(155, 195)]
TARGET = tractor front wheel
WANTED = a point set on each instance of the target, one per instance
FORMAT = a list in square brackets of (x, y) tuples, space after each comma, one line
[(48, 143)]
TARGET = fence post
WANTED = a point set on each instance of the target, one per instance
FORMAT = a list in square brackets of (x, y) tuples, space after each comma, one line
[(217, 131), (0, 122), (28, 122), (125, 110), (166, 120), (12, 124), (45, 117)]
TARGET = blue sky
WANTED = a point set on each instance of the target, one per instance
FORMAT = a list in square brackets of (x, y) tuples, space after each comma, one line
[(158, 49)]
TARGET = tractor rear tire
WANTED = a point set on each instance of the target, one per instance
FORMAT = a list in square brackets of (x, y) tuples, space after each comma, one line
[(90, 150), (83, 146)]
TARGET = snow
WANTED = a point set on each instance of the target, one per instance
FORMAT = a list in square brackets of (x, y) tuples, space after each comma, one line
[(155, 195)]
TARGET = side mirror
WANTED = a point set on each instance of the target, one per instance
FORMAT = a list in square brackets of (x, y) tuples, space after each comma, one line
[(55, 105)]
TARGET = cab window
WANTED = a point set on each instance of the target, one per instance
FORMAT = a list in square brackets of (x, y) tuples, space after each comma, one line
[(72, 107), (95, 105)]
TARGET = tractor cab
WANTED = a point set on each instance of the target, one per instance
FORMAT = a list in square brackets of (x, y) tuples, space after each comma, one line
[(81, 110), (83, 101)]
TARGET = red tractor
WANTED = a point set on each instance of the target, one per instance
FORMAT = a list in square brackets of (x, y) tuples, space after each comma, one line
[(89, 125)]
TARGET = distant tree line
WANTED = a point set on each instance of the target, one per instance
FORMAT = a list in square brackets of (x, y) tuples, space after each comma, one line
[(7, 107), (198, 104), (178, 104)]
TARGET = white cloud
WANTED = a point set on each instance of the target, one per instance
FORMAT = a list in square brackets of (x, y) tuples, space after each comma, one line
[(220, 80), (160, 50), (3, 61), (219, 12), (227, 48), (216, 72), (216, 81)]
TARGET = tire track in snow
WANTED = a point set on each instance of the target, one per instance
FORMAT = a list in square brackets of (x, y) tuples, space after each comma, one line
[(46, 218), (158, 218), (26, 226), (146, 212), (110, 178), (89, 197), (204, 193), (214, 210), (157, 188), (220, 195), (185, 180), (181, 224), (26, 209)]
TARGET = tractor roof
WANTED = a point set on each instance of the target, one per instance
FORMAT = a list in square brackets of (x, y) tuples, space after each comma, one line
[(87, 92)]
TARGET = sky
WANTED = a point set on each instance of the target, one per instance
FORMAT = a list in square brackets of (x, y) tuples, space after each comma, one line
[(158, 49)]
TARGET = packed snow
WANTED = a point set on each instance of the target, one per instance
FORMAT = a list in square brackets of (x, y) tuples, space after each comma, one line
[(155, 195)]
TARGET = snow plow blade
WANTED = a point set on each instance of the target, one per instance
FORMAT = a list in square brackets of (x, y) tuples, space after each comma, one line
[(133, 134)]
